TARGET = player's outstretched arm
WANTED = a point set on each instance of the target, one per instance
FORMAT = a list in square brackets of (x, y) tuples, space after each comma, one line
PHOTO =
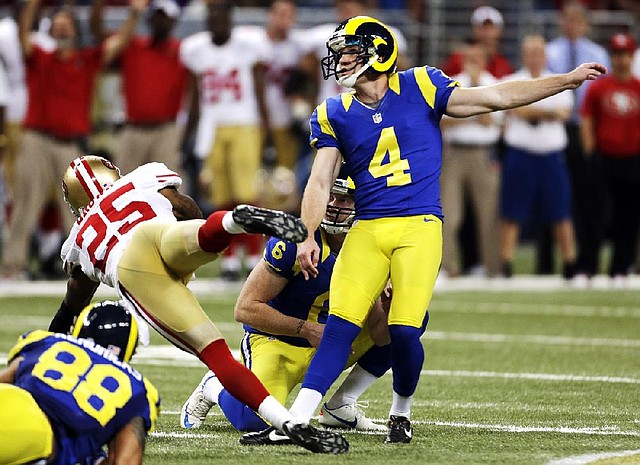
[(471, 101), (127, 447)]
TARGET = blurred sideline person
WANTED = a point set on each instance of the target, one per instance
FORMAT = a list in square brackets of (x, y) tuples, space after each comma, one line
[(387, 132), (228, 81), (535, 177), (564, 53), (470, 166), (154, 85), (611, 137), (127, 236), (487, 25), (60, 90), (75, 393), (283, 316)]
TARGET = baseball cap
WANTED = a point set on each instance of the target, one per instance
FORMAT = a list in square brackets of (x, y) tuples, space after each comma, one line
[(483, 14), (622, 43), (170, 8)]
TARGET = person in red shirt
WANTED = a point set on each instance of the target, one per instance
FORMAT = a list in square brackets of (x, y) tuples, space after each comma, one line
[(610, 131), (60, 88), (154, 83), (487, 24)]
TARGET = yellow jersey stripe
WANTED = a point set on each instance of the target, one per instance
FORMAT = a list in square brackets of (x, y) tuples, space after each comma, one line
[(347, 100), (25, 340), (323, 119), (394, 83), (427, 88)]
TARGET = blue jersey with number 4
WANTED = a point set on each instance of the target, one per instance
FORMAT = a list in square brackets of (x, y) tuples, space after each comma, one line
[(392, 152), (307, 300), (85, 391)]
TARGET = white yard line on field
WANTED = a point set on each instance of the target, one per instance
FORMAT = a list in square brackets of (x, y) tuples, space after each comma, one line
[(590, 458), (606, 431), (531, 339)]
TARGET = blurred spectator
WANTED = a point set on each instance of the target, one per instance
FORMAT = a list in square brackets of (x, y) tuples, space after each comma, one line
[(636, 63), (487, 25), (12, 58), (154, 84), (60, 87), (611, 135), (229, 67), (285, 53), (4, 100), (535, 175), (469, 166), (563, 55)]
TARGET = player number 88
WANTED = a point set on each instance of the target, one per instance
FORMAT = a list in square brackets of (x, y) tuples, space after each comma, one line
[(98, 389)]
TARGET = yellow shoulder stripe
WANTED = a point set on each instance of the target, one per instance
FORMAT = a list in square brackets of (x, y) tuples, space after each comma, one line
[(25, 340), (323, 119), (394, 83), (427, 88), (347, 100)]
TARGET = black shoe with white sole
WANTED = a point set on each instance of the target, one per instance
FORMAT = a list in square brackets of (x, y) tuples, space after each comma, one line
[(267, 437), (400, 430), (316, 440), (257, 220)]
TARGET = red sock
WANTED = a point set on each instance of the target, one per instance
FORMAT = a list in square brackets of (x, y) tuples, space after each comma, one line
[(212, 237), (237, 379)]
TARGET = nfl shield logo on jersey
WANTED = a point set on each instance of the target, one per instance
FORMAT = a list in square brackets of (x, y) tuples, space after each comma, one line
[(377, 118)]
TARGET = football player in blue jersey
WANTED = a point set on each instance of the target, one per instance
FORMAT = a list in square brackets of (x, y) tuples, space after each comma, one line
[(284, 316), (386, 131), (62, 397)]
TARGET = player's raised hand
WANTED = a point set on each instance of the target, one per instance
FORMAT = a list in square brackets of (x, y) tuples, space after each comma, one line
[(308, 254), (585, 72)]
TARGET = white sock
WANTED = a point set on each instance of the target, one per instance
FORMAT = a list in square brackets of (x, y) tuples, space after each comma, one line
[(401, 406), (305, 404), (212, 387), (352, 387), (230, 225), (274, 412)]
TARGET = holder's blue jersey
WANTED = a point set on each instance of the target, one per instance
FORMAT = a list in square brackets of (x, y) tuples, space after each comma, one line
[(393, 153), (85, 391), (307, 300)]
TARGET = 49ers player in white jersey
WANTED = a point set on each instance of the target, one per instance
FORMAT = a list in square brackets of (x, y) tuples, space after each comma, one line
[(127, 235)]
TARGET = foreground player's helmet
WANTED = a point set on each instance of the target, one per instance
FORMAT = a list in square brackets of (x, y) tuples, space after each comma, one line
[(338, 219), (375, 49), (110, 325), (86, 178)]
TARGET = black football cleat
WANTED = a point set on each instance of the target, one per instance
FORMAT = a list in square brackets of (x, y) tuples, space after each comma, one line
[(257, 220), (319, 441), (267, 437), (400, 430)]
